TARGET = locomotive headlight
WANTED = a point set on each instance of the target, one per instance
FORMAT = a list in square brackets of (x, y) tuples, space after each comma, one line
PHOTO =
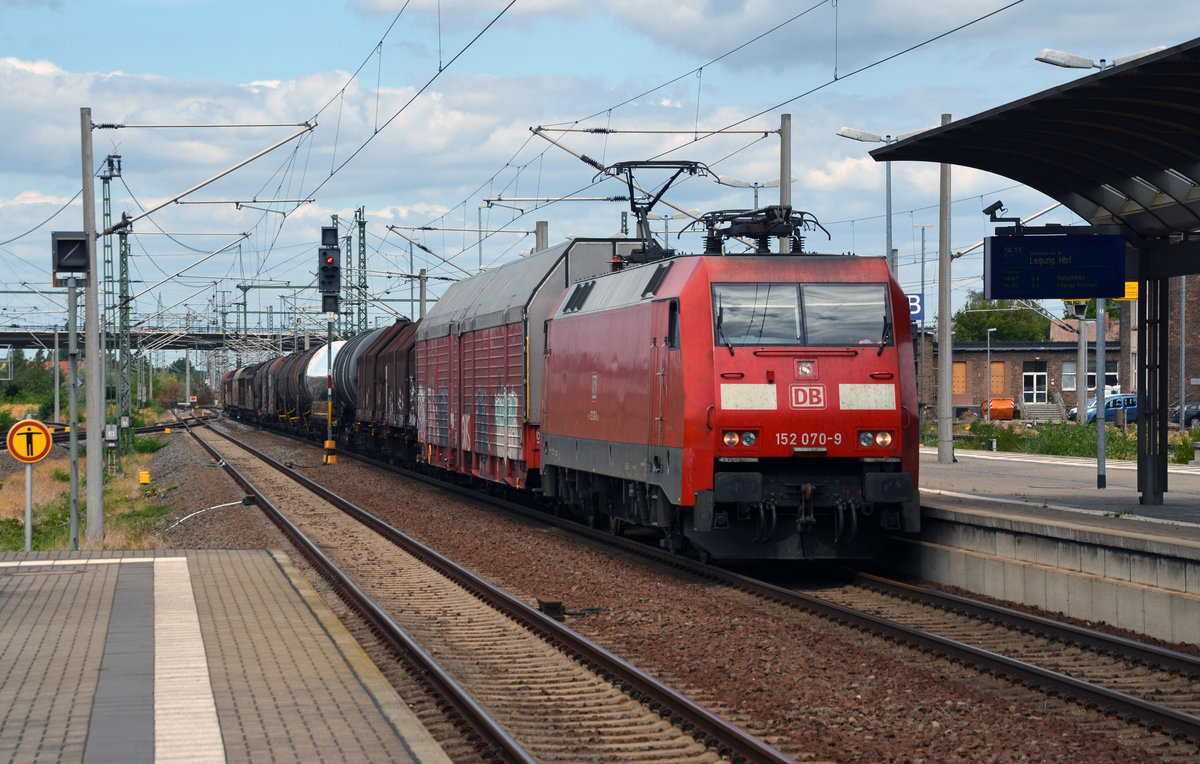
[(883, 439), (749, 439), (865, 439), (731, 438)]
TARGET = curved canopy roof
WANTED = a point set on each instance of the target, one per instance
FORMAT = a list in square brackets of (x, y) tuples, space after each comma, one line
[(1120, 146)]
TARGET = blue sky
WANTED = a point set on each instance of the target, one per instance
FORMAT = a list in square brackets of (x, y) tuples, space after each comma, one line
[(415, 147)]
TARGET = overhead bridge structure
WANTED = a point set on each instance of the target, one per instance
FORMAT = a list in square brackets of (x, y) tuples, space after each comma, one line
[(162, 339), (1120, 148)]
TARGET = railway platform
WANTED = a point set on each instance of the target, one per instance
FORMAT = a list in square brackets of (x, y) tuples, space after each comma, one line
[(1059, 484), (196, 655), (1038, 530)]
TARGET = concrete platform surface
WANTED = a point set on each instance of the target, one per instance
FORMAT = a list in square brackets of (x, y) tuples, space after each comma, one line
[(197, 655), (1060, 483)]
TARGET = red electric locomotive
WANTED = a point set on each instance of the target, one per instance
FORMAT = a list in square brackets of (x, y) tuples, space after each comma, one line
[(758, 407)]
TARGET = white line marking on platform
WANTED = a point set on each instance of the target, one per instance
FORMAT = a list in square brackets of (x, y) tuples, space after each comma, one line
[(93, 561), (185, 713)]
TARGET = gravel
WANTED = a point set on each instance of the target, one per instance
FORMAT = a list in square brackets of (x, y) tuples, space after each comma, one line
[(815, 690)]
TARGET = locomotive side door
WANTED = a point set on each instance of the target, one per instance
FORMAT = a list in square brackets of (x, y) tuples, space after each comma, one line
[(664, 349)]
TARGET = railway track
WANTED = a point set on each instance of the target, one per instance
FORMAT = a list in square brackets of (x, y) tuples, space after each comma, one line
[(1157, 692), (526, 687), (1144, 684)]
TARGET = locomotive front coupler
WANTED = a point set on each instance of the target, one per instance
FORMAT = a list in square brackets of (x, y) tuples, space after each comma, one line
[(806, 515), (846, 514)]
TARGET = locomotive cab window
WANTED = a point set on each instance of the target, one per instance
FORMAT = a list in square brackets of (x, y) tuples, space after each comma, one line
[(756, 314), (811, 315), (673, 325), (846, 314)]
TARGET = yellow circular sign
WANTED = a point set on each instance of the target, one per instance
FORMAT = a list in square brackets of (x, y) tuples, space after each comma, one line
[(29, 441)]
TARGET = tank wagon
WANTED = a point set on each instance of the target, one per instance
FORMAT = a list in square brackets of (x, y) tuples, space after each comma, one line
[(747, 406)]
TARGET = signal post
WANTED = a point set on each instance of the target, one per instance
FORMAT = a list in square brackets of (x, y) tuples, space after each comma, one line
[(329, 284)]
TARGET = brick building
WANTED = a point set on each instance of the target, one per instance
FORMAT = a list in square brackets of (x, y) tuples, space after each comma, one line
[(1039, 373), (1039, 376)]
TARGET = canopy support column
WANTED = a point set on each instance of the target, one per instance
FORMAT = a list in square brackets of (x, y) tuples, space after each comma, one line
[(1153, 312)]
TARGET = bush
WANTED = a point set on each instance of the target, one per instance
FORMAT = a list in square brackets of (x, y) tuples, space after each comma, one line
[(1063, 439), (146, 445), (929, 432), (1051, 439), (1181, 449)]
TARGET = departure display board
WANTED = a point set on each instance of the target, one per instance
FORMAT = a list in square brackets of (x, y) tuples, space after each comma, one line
[(1074, 267)]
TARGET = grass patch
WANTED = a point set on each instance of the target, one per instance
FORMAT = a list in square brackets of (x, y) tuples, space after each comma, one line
[(147, 445), (981, 434), (1066, 439), (131, 516), (1053, 439)]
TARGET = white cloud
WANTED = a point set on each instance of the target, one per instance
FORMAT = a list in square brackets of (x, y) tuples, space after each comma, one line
[(547, 62), (31, 67), (32, 198), (844, 175)]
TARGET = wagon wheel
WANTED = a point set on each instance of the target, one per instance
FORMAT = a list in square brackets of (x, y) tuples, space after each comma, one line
[(602, 517), (616, 526)]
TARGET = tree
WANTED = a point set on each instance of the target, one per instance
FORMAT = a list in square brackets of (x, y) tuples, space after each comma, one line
[(167, 389), (1112, 310), (32, 379), (1012, 321)]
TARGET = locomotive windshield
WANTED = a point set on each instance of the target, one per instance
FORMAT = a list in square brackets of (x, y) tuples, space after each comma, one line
[(811, 315)]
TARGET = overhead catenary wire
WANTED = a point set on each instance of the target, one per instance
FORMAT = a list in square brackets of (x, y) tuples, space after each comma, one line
[(428, 83), (707, 134), (519, 166), (127, 221)]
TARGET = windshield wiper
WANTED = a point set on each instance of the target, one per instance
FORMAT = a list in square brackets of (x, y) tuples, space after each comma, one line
[(721, 330), (887, 333)]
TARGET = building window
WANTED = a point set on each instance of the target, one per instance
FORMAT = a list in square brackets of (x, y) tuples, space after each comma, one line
[(996, 381), (959, 386), (1110, 379), (1068, 375)]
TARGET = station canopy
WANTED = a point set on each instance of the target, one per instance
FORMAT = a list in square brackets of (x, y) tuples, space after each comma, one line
[(1121, 146)]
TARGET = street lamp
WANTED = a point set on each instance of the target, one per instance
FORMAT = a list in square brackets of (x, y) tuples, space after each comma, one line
[(987, 412), (865, 137), (693, 214), (1072, 61), (924, 303), (726, 180)]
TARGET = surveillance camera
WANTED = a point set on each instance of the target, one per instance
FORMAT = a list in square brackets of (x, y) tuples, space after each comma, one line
[(993, 208)]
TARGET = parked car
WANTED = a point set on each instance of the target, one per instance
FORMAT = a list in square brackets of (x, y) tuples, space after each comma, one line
[(1191, 414), (1126, 402)]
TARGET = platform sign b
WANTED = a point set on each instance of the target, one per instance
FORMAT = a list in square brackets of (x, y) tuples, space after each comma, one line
[(916, 306), (29, 441)]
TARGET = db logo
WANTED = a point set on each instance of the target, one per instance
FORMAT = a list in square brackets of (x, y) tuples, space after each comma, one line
[(808, 396)]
